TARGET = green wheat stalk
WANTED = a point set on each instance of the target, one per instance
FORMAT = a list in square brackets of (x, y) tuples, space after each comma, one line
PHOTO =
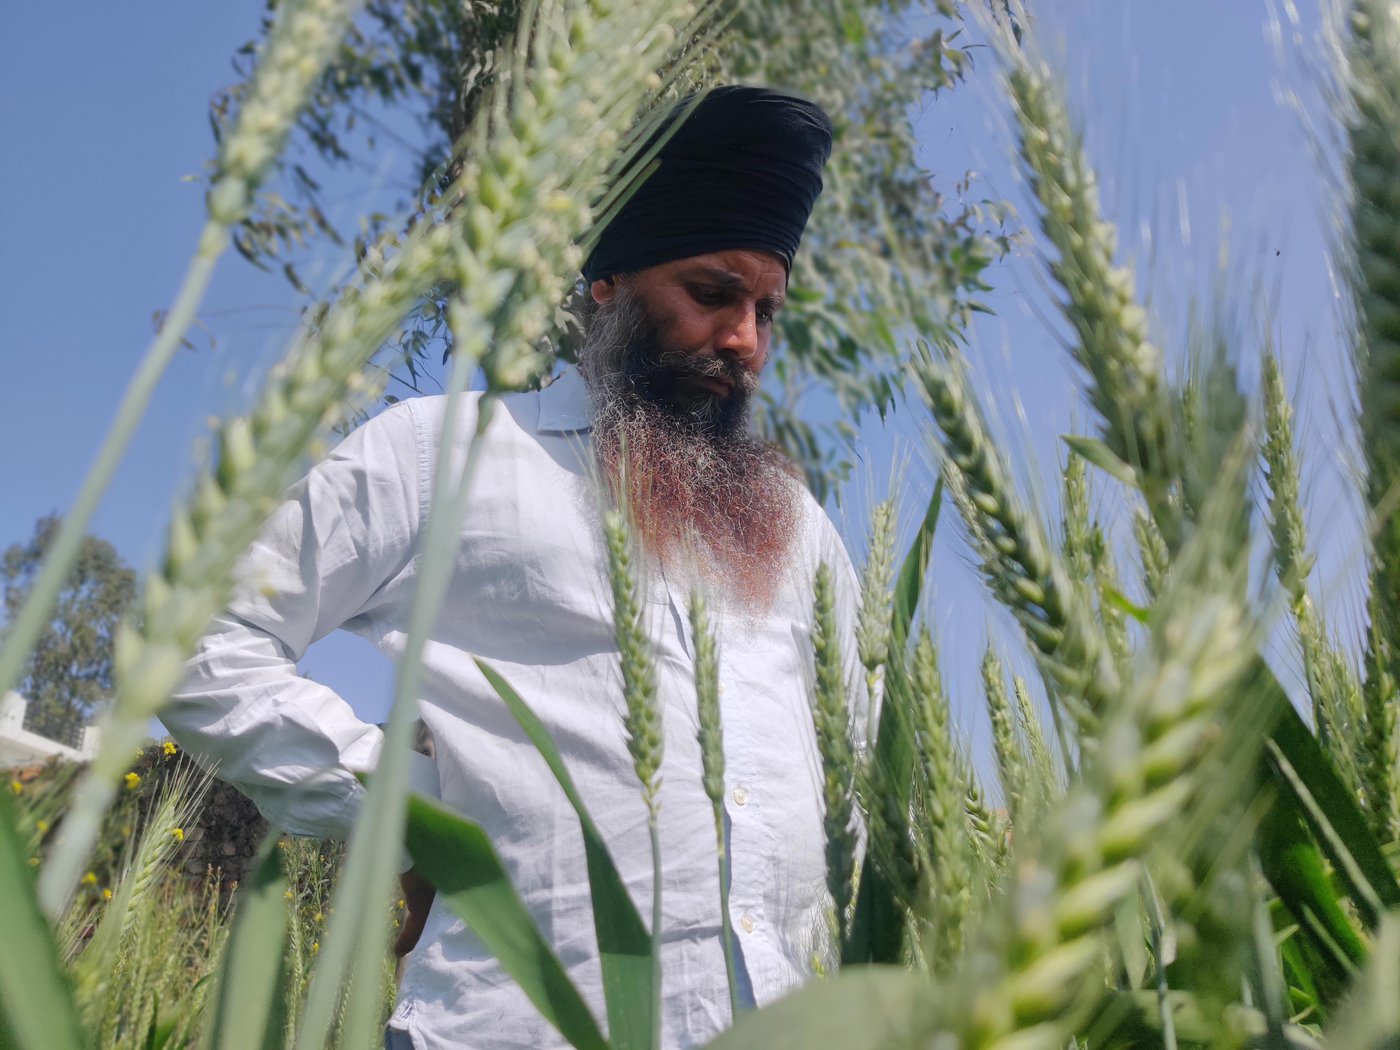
[(1374, 61), (1042, 776), (536, 170), (1156, 559), (1011, 759), (302, 41), (711, 737), (1113, 345), (560, 130), (1331, 684), (832, 717), (1018, 562), (943, 801), (642, 718), (1154, 765), (989, 834), (873, 622), (1088, 558)]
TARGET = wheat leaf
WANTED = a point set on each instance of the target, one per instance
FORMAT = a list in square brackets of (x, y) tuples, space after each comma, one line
[(624, 945), (456, 856)]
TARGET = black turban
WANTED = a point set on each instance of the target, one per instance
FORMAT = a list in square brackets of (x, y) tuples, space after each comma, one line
[(742, 171)]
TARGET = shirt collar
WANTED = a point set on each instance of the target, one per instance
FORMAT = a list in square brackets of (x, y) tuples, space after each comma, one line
[(565, 405)]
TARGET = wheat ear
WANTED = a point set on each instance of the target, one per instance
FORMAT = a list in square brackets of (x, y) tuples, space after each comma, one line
[(1011, 759), (942, 804), (873, 623), (1112, 343), (1043, 778), (711, 738), (1330, 682), (1017, 559), (1374, 61), (1088, 558), (642, 718), (832, 717), (1151, 770)]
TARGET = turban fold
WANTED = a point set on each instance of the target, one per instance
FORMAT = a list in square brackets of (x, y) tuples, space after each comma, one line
[(742, 171)]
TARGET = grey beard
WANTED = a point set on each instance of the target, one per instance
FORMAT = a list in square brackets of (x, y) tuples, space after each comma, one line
[(700, 490)]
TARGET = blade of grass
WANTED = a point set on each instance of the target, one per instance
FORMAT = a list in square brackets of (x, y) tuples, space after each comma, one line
[(458, 858), (624, 945), (36, 1002), (250, 1010)]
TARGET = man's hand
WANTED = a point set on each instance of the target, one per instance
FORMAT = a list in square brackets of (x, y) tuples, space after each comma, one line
[(418, 894)]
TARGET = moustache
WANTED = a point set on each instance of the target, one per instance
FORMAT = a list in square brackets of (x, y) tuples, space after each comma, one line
[(684, 364)]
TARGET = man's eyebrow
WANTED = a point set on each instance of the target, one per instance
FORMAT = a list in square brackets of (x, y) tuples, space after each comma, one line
[(732, 282)]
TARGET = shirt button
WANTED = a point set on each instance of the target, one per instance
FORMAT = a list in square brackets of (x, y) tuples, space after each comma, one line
[(747, 923), (740, 796)]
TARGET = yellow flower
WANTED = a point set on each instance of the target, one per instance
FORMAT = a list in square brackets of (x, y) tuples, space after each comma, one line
[(179, 834), (169, 748), (133, 781), (42, 825), (315, 947), (289, 895), (90, 879), (33, 862), (400, 902), (318, 917), (16, 787), (106, 894)]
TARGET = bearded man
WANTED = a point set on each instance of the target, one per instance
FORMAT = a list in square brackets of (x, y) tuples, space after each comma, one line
[(685, 284)]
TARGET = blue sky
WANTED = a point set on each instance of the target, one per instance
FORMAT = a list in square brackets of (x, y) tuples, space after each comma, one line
[(97, 220)]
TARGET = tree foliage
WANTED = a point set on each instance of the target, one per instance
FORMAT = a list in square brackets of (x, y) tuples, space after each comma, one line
[(885, 254), (69, 674)]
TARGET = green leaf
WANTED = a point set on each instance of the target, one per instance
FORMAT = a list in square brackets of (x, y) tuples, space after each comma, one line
[(913, 572), (1311, 786), (1096, 452), (862, 1008), (456, 856), (251, 1005), (1295, 869), (877, 924), (36, 1002), (1116, 598), (624, 944)]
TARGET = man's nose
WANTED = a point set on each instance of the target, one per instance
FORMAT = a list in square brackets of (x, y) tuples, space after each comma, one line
[(740, 339)]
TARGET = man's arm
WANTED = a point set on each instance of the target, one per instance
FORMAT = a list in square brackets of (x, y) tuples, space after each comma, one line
[(324, 558)]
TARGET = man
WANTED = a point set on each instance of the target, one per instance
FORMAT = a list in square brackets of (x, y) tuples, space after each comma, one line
[(685, 282)]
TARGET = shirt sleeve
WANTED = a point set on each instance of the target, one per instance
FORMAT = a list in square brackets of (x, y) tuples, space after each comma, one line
[(323, 558)]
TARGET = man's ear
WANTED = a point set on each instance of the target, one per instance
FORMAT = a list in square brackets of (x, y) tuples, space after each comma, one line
[(603, 290)]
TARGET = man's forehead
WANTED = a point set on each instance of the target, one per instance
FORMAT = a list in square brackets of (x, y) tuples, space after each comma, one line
[(764, 278)]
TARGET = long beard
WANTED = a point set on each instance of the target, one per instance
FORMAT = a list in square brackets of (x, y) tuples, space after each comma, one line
[(703, 495)]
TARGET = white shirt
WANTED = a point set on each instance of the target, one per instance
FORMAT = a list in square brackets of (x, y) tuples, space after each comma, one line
[(529, 596)]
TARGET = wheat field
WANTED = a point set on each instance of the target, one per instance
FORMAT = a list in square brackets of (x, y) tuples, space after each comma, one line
[(1175, 855)]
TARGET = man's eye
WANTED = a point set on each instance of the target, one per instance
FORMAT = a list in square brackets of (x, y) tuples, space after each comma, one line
[(708, 296)]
